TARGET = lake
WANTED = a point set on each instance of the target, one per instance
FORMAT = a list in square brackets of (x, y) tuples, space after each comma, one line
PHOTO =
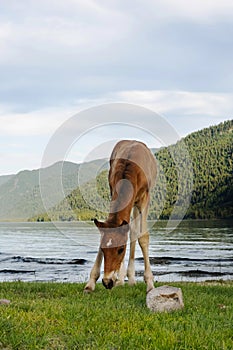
[(65, 252)]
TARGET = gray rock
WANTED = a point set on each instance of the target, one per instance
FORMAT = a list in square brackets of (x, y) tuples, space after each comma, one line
[(4, 302), (165, 298)]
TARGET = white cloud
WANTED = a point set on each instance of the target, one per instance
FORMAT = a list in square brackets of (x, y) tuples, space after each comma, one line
[(50, 31), (24, 136), (14, 160), (51, 51), (5, 34), (186, 111), (159, 54), (172, 104), (189, 103), (35, 123), (198, 9)]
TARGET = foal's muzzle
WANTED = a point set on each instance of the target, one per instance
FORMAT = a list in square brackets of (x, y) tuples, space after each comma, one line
[(108, 283)]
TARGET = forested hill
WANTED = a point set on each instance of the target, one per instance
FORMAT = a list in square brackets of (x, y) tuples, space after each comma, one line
[(210, 151), (20, 194)]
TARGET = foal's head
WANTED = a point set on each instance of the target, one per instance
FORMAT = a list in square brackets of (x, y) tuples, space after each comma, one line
[(113, 245)]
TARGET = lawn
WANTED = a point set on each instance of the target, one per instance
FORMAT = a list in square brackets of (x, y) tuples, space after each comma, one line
[(60, 316)]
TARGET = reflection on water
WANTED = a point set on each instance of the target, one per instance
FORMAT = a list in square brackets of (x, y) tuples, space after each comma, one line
[(195, 251)]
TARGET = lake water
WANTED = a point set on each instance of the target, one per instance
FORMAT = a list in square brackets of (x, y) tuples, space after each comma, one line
[(65, 252)]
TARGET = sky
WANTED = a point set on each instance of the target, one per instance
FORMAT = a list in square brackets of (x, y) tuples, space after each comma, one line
[(60, 57)]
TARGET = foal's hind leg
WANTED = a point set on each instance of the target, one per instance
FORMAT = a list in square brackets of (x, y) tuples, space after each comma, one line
[(144, 244)]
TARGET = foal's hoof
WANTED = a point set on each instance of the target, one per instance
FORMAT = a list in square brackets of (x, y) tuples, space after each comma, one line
[(87, 290), (132, 282), (120, 283)]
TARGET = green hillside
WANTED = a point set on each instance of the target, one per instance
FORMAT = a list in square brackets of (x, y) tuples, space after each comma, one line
[(5, 178), (20, 194), (210, 152)]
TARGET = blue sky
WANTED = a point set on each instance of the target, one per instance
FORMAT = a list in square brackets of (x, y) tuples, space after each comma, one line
[(59, 57)]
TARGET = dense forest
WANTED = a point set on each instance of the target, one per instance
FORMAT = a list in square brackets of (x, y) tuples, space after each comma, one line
[(197, 170), (210, 151)]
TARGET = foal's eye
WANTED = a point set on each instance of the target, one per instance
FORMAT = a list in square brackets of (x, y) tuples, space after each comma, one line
[(120, 251)]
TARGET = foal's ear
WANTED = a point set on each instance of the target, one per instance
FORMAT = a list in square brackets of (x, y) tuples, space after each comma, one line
[(124, 222), (124, 227), (98, 224)]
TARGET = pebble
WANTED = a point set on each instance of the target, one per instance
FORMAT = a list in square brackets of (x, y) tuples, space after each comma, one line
[(4, 302)]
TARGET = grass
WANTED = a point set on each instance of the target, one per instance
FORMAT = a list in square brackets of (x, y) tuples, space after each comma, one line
[(59, 316)]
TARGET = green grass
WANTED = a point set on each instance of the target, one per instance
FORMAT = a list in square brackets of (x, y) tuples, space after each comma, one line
[(60, 316)]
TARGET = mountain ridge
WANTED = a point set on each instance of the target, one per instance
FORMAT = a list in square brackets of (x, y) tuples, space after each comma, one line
[(20, 194), (210, 150)]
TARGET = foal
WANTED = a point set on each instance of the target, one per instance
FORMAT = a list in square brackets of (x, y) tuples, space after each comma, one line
[(131, 176)]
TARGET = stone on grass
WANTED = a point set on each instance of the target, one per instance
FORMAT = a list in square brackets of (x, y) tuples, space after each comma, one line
[(165, 298), (4, 302)]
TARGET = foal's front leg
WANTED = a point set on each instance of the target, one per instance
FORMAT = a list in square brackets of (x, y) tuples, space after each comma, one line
[(134, 232), (121, 275), (144, 244), (95, 273)]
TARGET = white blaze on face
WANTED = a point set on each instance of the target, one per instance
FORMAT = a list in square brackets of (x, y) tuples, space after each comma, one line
[(109, 243)]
